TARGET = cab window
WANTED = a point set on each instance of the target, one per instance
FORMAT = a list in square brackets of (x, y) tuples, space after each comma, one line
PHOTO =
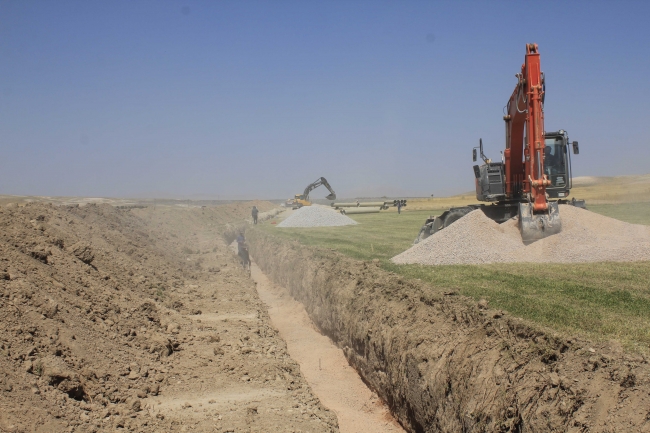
[(555, 161)]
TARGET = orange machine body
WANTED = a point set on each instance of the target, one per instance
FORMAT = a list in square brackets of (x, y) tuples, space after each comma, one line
[(524, 153)]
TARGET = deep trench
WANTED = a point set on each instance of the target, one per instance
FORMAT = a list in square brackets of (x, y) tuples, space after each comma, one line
[(323, 364), (444, 363)]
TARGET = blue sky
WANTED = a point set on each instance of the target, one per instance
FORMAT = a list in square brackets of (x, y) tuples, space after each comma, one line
[(243, 99)]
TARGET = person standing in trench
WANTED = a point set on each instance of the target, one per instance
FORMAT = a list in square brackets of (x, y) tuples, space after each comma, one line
[(254, 213), (241, 240)]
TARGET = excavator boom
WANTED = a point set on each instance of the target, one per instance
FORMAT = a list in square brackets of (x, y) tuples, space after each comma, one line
[(525, 180), (524, 153), (312, 186)]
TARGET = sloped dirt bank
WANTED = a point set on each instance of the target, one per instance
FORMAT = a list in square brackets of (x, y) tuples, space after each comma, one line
[(139, 320), (445, 364)]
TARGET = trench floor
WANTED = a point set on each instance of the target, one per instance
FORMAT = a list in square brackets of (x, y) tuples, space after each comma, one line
[(322, 363)]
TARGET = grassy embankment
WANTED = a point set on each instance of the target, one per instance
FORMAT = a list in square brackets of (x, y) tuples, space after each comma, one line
[(602, 300)]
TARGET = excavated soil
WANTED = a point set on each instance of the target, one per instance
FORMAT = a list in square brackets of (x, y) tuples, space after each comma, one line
[(585, 237), (142, 320), (445, 364), (139, 320)]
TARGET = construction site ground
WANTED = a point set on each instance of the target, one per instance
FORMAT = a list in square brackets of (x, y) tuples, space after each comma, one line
[(444, 362), (604, 301), (141, 319)]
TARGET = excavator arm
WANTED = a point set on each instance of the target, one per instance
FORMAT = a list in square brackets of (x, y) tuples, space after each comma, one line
[(312, 186), (524, 154)]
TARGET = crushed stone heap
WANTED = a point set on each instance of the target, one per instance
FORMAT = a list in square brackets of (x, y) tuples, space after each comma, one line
[(585, 237), (316, 216)]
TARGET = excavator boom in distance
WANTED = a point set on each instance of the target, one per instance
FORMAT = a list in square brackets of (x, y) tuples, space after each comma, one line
[(301, 200), (534, 175)]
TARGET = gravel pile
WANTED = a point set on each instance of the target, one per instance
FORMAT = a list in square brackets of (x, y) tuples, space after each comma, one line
[(316, 216), (472, 239), (585, 237), (590, 237)]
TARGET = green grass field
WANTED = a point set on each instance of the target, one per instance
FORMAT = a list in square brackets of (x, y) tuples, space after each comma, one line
[(603, 301), (635, 213)]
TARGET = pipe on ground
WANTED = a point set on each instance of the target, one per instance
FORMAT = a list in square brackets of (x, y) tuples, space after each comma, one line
[(362, 204), (357, 210)]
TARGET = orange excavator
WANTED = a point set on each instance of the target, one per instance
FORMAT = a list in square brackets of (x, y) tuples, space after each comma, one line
[(534, 175)]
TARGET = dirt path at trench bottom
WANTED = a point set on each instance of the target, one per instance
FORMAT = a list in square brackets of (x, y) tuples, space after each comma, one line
[(324, 366)]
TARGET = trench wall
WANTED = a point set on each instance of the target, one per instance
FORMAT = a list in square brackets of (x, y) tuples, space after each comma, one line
[(445, 364)]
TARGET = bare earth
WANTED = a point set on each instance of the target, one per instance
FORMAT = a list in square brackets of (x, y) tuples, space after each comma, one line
[(324, 365), (139, 320)]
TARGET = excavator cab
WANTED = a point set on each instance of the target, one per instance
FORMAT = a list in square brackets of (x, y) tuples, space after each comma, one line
[(491, 187), (557, 169), (557, 163)]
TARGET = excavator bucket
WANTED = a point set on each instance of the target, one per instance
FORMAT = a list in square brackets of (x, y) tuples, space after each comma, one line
[(534, 227), (332, 196)]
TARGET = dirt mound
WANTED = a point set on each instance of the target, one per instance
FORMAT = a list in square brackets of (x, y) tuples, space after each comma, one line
[(585, 237), (444, 363), (316, 216), (131, 318)]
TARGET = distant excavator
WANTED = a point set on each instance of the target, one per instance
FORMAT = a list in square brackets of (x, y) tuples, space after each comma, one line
[(535, 166), (301, 200)]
